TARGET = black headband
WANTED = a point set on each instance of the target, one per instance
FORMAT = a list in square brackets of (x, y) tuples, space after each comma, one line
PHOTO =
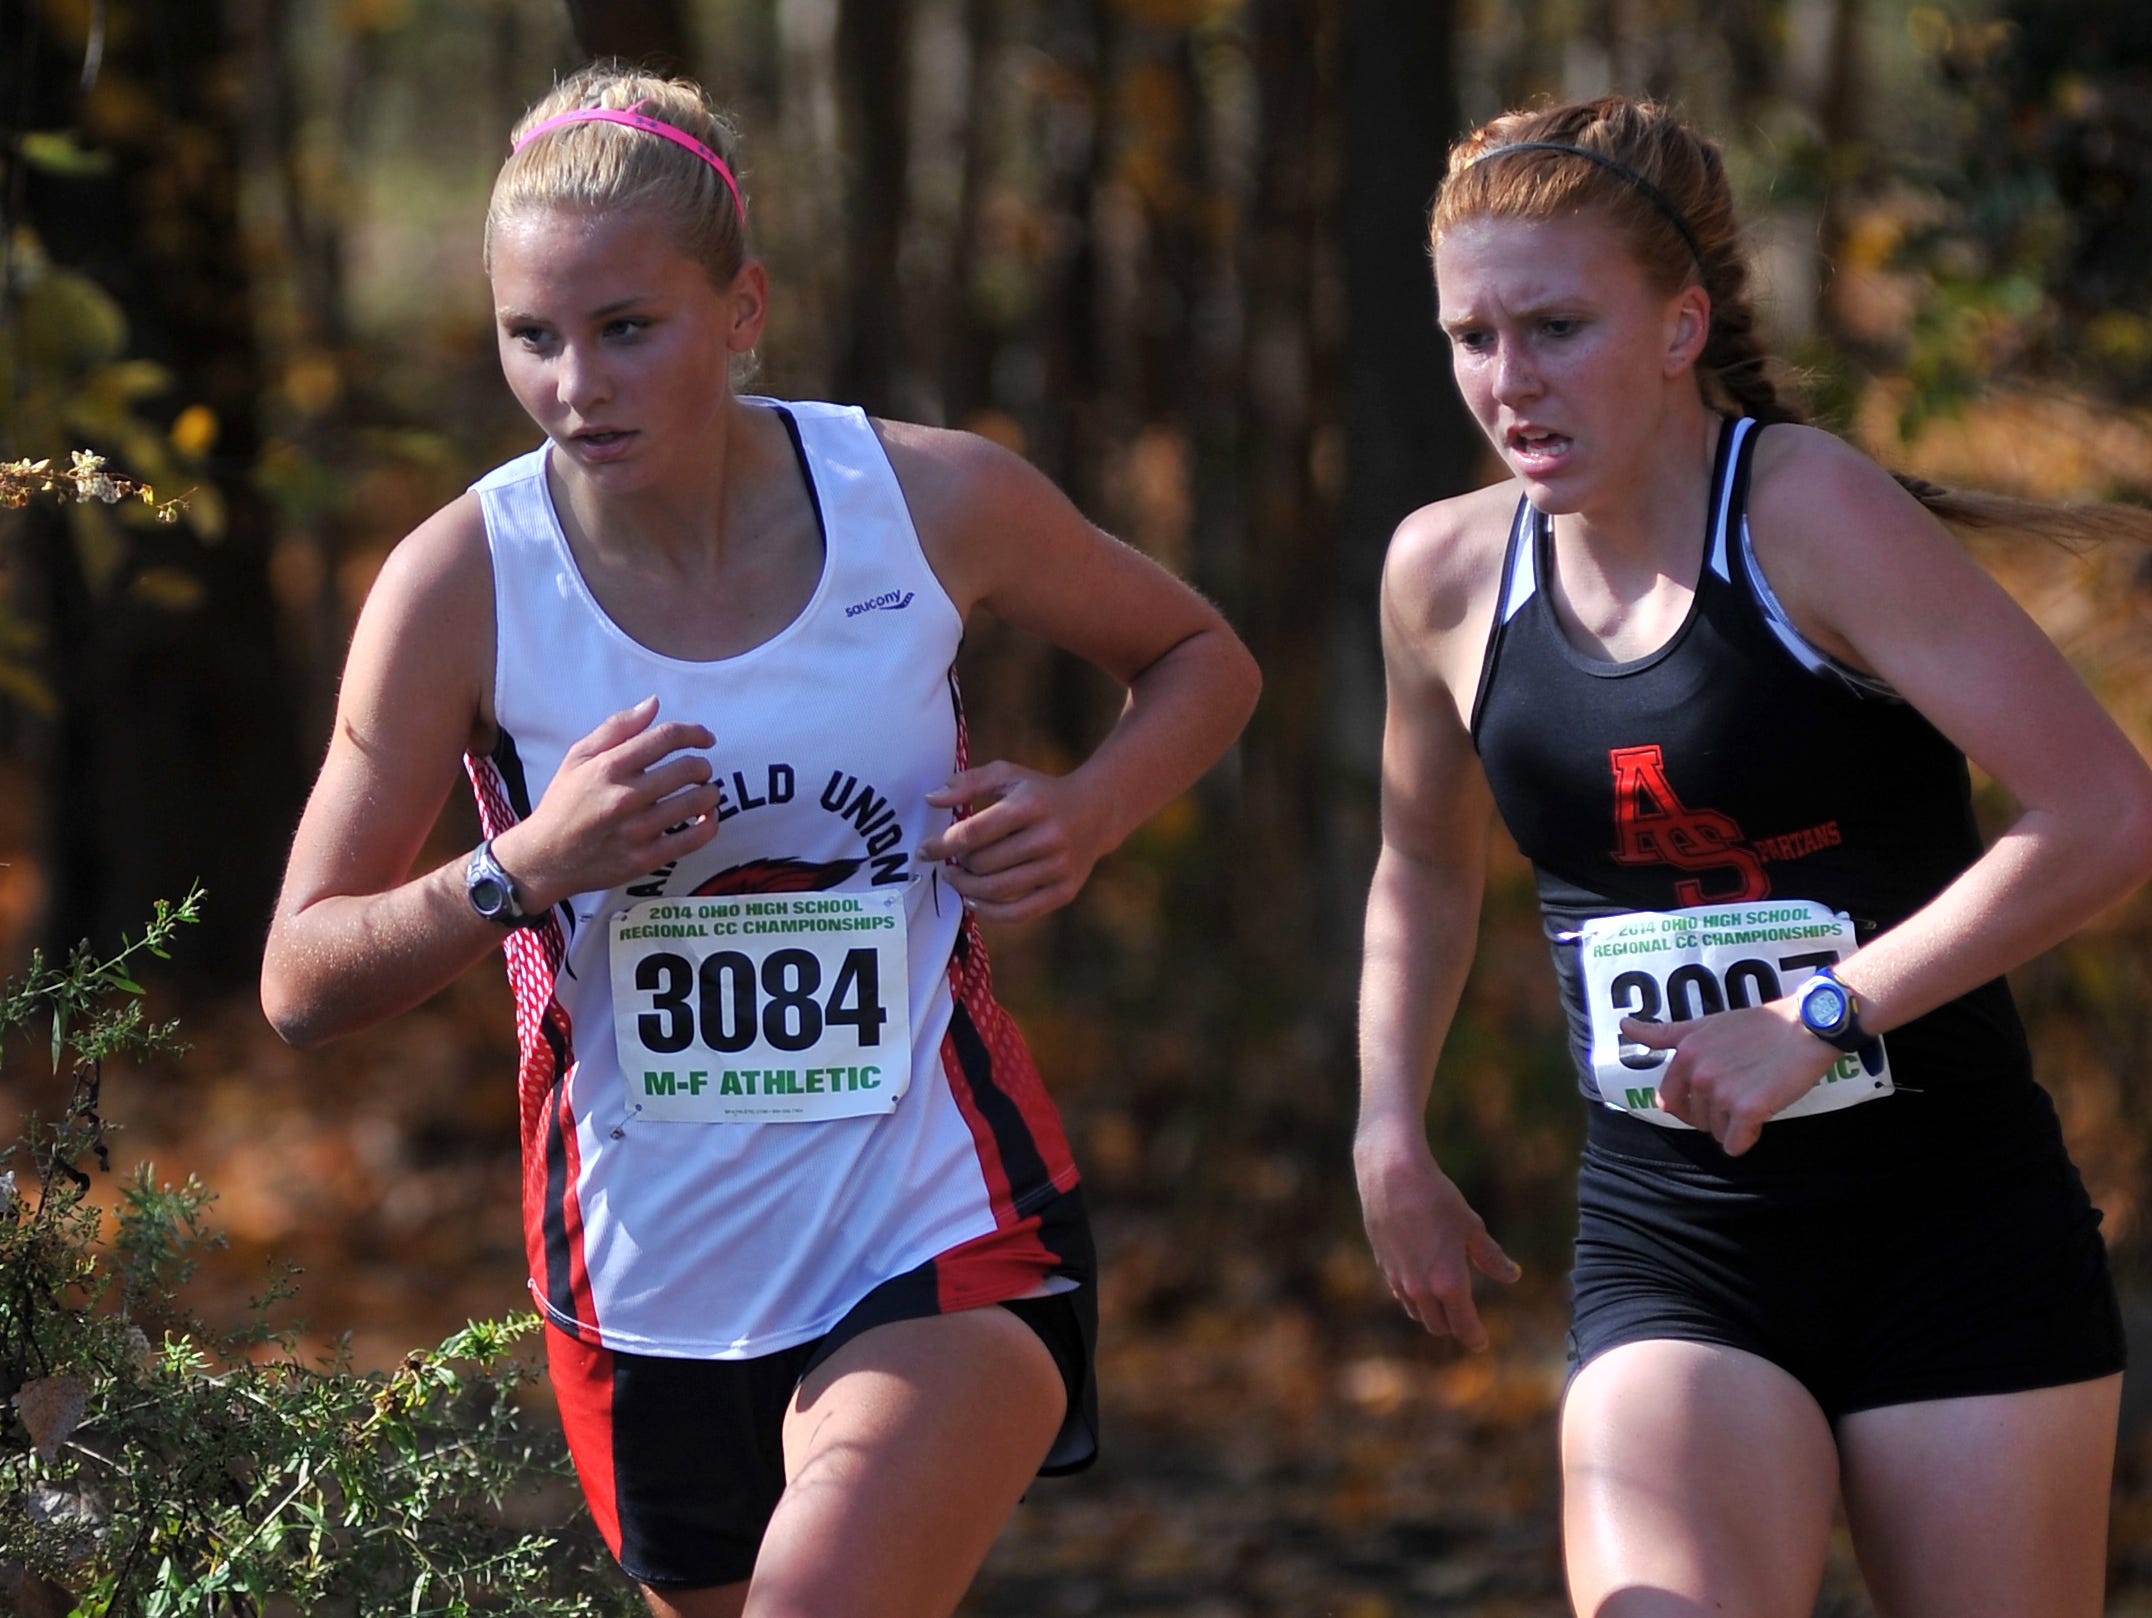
[(1665, 203)]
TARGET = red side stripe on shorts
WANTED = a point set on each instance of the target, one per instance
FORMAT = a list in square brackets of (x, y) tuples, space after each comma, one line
[(582, 1377), (988, 1269)]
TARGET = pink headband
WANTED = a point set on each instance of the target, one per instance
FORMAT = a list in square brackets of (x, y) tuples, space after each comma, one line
[(649, 126)]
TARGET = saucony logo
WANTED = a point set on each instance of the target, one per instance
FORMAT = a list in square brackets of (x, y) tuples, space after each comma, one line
[(887, 601)]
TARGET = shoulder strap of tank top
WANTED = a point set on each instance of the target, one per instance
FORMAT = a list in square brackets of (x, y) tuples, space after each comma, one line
[(1734, 558), (1729, 490), (806, 464), (1520, 581)]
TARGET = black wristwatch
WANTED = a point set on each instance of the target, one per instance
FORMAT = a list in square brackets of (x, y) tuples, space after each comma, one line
[(1831, 1011), (492, 891)]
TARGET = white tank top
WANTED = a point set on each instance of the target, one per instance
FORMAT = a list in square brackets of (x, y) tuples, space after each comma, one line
[(733, 1239)]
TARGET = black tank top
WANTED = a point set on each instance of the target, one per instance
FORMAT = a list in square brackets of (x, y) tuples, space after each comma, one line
[(1736, 762)]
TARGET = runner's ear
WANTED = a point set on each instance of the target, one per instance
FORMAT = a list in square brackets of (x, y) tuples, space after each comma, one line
[(749, 296), (1688, 328)]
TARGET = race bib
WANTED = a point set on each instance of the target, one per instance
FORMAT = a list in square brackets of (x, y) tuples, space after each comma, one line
[(1677, 964), (785, 1008)]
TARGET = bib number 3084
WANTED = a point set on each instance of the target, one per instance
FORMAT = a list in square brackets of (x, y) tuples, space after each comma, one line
[(1679, 964), (752, 1009)]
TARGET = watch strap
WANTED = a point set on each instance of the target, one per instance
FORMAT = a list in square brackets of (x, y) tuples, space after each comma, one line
[(1848, 1036), (492, 891)]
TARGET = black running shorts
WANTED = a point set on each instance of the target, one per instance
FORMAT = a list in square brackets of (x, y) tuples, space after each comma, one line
[(682, 1460), (1923, 1246)]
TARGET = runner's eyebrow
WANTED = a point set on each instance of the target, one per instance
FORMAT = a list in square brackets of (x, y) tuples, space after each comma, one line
[(604, 311)]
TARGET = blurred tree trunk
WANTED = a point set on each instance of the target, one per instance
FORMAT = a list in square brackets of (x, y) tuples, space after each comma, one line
[(811, 304), (299, 244), (874, 64), (1073, 442), (650, 34), (1030, 352), (967, 349), (1753, 32), (1070, 442), (1291, 364), (173, 757), (1372, 80), (1408, 440), (1838, 108)]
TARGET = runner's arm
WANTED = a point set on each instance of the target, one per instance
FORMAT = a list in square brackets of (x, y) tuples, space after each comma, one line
[(1422, 925), (1001, 537), (1886, 586), (355, 938), (1872, 578)]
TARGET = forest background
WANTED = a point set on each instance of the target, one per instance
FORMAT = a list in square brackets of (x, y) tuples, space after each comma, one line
[(1173, 251)]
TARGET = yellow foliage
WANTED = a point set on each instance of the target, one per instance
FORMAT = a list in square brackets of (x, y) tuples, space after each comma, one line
[(194, 431), (171, 588), (19, 684), (1003, 428), (58, 152), (312, 383), (1929, 28), (121, 383), (123, 111), (374, 16), (1872, 239), (2119, 335)]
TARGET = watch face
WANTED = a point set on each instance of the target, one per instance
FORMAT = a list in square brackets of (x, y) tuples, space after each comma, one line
[(488, 897), (1824, 1007)]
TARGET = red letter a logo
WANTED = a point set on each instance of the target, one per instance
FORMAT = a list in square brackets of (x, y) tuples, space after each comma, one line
[(1653, 827)]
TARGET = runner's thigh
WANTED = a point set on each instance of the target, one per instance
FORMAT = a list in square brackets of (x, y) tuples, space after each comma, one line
[(1695, 1479), (717, 1601), (1984, 1507), (905, 1451)]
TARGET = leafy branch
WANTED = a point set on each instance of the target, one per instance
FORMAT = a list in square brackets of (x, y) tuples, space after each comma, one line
[(150, 1466), (75, 995)]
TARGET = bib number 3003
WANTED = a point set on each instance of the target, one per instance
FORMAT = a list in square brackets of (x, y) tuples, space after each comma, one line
[(786, 1008), (1675, 965)]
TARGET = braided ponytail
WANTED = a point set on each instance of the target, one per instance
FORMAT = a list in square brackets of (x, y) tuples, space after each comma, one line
[(1735, 365)]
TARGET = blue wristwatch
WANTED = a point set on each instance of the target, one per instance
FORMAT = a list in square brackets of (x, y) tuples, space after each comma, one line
[(1831, 1011)]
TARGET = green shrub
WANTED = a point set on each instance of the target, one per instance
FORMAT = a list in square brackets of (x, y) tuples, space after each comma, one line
[(152, 1466)]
